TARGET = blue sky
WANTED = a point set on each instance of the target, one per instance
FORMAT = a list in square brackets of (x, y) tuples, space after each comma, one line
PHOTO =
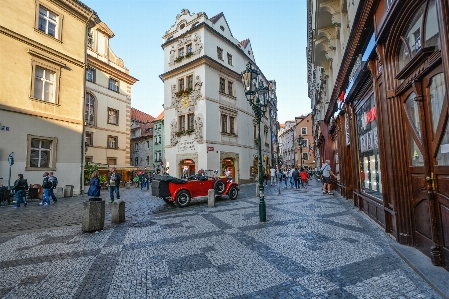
[(277, 30)]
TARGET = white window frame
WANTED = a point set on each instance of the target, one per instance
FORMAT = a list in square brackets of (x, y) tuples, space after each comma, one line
[(112, 142), (307, 155), (116, 123), (46, 17), (114, 87), (89, 118), (90, 74), (52, 152), (303, 128), (220, 53), (89, 138), (45, 82)]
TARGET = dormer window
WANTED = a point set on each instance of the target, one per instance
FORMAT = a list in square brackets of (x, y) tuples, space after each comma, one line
[(182, 26), (222, 28), (181, 52)]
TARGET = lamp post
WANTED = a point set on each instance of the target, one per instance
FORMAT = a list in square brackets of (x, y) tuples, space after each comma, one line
[(257, 96), (301, 144)]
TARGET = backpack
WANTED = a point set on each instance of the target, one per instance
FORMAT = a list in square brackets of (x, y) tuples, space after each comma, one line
[(23, 184), (47, 184), (54, 182)]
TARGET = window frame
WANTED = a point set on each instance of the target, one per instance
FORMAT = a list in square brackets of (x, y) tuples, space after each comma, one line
[(224, 123), (93, 70), (232, 125), (116, 116), (89, 138), (111, 158), (93, 105), (53, 149), (307, 154), (222, 87), (190, 121), (57, 72), (117, 84), (231, 88), (182, 122), (116, 142), (59, 17), (220, 53), (302, 130), (181, 84), (229, 59)]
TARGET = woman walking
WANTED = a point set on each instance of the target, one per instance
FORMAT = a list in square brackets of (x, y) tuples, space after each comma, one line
[(94, 189)]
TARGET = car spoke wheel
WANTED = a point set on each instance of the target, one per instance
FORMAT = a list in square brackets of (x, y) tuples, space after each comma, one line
[(219, 186), (233, 192), (182, 199)]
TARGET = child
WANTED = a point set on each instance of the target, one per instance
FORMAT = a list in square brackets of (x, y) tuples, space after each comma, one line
[(304, 178)]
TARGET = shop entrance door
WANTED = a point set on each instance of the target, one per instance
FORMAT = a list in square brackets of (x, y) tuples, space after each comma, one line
[(426, 110)]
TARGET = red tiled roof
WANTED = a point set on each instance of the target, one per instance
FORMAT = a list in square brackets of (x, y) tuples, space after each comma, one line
[(141, 116), (245, 42), (214, 19), (161, 116)]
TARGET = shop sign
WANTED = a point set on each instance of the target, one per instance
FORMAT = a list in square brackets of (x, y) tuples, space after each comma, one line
[(369, 141), (348, 138), (210, 148), (186, 146)]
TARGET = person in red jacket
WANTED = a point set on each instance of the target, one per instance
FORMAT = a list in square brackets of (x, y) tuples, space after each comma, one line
[(304, 178)]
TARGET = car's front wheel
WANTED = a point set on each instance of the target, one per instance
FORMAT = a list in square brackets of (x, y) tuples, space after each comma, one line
[(219, 186), (233, 192), (182, 198)]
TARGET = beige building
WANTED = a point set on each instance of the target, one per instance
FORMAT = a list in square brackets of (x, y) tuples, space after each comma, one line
[(304, 130), (107, 109), (42, 50)]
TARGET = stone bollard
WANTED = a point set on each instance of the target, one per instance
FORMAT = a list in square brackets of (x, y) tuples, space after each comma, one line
[(93, 215), (68, 190), (59, 192), (257, 190), (118, 211), (211, 198)]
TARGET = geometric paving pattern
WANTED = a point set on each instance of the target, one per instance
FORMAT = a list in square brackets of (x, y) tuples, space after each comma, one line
[(312, 246)]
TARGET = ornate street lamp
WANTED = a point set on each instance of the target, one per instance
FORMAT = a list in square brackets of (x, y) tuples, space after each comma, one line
[(300, 140), (257, 96)]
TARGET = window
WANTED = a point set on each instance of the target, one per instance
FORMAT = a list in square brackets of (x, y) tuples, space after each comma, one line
[(305, 143), (224, 123), (229, 59), (155, 157), (220, 53), (112, 142), (222, 85), (112, 116), (89, 138), (90, 74), (41, 152), (89, 159), (90, 39), (136, 161), (48, 22), (305, 156), (190, 119), (44, 84), (113, 85), (159, 156), (189, 48), (112, 161), (147, 160), (181, 52), (230, 88), (148, 144), (181, 84), (255, 131), (89, 111), (303, 131), (136, 146), (222, 28), (182, 122), (190, 82), (231, 125)]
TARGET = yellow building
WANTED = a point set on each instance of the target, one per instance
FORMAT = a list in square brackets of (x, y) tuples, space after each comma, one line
[(107, 109), (42, 58)]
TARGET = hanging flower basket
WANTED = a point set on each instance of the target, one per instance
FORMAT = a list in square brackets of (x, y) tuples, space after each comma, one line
[(179, 58), (184, 92)]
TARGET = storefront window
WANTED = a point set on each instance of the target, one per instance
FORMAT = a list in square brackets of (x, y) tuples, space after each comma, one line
[(370, 174), (431, 29)]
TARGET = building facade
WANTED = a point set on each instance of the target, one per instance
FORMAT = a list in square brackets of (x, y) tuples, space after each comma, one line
[(107, 103), (142, 130), (304, 153), (208, 122), (42, 88), (159, 144), (287, 144), (387, 120)]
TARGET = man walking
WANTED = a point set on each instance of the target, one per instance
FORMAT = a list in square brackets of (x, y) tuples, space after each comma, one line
[(144, 181), (47, 186), (326, 175), (20, 187), (54, 183), (295, 175), (272, 176), (114, 184)]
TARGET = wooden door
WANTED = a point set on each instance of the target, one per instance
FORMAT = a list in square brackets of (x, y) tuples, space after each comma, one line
[(426, 110)]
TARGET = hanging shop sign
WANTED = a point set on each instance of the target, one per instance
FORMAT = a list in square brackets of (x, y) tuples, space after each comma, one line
[(348, 138)]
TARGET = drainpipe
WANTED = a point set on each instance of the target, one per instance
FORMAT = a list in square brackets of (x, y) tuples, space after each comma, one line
[(83, 146)]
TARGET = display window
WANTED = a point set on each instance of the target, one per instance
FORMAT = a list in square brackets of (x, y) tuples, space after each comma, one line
[(369, 162)]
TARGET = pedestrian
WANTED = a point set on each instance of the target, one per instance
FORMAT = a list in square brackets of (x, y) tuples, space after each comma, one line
[(326, 172), (54, 183), (47, 186), (114, 184), (280, 176), (289, 178), (94, 189), (304, 178), (265, 177), (145, 182), (272, 176), (20, 187), (295, 175)]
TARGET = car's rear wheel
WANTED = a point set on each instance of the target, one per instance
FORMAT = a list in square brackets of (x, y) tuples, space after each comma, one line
[(233, 192), (167, 200), (219, 186), (182, 198)]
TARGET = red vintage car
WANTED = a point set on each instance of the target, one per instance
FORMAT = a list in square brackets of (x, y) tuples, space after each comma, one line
[(180, 191)]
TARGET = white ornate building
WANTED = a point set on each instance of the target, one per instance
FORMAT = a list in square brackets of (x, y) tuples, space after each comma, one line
[(208, 121)]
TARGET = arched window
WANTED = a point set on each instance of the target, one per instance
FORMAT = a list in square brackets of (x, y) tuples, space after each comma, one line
[(422, 32), (89, 111)]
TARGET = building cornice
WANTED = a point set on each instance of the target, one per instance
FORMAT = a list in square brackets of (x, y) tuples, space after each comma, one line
[(109, 69), (356, 43), (39, 46), (79, 10)]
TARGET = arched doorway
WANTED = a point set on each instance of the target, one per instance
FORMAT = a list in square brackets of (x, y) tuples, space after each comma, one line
[(187, 167), (228, 164)]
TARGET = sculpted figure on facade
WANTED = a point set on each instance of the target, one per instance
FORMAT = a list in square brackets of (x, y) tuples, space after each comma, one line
[(199, 128), (172, 55), (173, 129), (198, 43)]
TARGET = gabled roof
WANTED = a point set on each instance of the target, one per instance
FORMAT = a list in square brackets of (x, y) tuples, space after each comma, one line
[(140, 116), (215, 18), (160, 116), (245, 42)]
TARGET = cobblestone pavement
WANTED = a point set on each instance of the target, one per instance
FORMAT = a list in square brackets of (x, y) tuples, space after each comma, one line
[(312, 246)]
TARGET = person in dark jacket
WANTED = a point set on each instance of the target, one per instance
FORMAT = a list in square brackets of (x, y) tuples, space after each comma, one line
[(54, 183), (94, 189), (20, 187), (114, 184), (295, 175), (46, 185)]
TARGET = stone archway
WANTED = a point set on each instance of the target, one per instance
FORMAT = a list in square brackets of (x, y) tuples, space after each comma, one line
[(234, 158), (183, 157)]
